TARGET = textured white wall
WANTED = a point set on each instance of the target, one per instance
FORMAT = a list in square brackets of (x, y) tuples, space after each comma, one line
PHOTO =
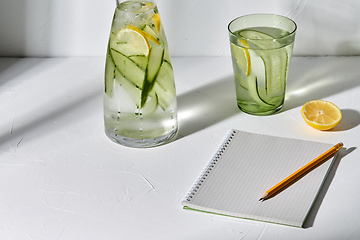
[(67, 28)]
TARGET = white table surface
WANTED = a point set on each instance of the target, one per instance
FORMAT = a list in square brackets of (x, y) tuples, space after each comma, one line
[(62, 178)]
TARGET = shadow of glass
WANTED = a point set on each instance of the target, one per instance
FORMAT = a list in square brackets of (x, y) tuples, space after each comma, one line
[(320, 77), (206, 106)]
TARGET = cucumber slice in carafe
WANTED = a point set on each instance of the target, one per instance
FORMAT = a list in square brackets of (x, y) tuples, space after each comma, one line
[(128, 68), (109, 75), (156, 56)]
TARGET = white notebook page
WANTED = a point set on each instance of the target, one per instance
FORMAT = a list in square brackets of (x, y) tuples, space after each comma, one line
[(251, 165)]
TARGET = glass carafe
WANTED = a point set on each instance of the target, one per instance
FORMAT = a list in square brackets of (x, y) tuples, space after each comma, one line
[(139, 99)]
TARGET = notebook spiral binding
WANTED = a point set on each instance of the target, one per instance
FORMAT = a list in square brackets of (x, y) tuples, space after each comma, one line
[(207, 170)]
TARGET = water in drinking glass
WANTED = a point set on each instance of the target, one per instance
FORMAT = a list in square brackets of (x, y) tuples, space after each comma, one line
[(261, 58)]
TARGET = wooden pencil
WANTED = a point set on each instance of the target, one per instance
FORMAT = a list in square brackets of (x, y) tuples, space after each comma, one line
[(293, 177)]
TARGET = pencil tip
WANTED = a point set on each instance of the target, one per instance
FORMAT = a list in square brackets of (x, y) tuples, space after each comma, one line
[(261, 199)]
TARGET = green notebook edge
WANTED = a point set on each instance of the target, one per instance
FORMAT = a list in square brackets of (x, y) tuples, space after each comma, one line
[(225, 215)]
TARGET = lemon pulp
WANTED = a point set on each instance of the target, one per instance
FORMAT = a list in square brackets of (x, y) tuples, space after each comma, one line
[(321, 114)]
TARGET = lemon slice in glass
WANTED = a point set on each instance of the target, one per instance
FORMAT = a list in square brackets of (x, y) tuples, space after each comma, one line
[(247, 62), (131, 42), (242, 56), (321, 114)]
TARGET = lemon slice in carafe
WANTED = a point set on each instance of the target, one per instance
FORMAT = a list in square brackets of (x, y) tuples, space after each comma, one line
[(131, 42)]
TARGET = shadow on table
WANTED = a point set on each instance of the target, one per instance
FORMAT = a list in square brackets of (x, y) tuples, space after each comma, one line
[(350, 119), (315, 208), (320, 77), (205, 106), (13, 68), (40, 119)]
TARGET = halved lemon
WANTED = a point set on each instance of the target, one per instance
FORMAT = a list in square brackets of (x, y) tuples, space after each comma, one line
[(321, 114), (131, 41)]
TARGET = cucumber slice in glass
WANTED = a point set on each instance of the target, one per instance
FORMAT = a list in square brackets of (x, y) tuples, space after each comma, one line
[(255, 91), (254, 34), (275, 60)]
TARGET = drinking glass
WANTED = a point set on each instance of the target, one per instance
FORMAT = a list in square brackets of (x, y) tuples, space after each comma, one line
[(140, 99), (261, 49)]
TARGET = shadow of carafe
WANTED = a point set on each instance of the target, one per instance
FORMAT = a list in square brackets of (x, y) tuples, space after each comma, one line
[(205, 106)]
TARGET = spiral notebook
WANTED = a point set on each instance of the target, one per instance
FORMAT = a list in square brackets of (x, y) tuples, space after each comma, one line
[(246, 165)]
